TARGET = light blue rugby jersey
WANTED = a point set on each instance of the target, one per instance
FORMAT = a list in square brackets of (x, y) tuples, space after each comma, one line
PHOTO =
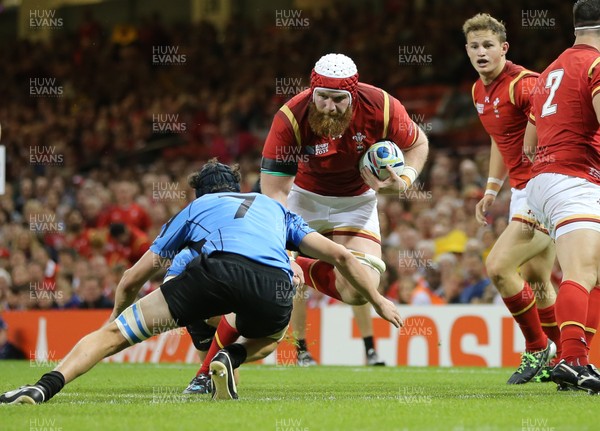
[(180, 261), (249, 224)]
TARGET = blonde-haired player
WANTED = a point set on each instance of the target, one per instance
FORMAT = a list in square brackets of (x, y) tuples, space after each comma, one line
[(501, 97)]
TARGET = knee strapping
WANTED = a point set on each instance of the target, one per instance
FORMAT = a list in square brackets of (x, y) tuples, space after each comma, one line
[(365, 258), (369, 260), (132, 325)]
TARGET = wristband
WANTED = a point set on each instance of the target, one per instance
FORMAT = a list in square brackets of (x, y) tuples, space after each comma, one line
[(409, 175), (495, 181), (493, 186)]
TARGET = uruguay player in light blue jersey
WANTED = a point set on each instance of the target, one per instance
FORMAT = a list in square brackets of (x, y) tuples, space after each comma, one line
[(242, 267)]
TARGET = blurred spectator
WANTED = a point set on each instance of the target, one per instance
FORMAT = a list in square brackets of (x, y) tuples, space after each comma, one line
[(4, 258), (7, 349), (65, 297), (469, 175), (90, 294), (125, 210), (66, 257), (5, 285), (77, 236), (50, 268), (476, 281), (451, 278), (127, 244), (18, 297), (20, 274), (418, 292), (44, 300), (89, 31)]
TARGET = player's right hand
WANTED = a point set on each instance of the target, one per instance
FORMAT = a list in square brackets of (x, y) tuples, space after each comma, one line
[(391, 185), (388, 310), (298, 279), (482, 207)]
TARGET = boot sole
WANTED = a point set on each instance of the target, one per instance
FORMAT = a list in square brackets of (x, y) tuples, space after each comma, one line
[(220, 381)]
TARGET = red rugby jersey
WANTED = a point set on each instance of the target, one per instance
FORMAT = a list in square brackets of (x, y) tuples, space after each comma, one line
[(562, 110), (503, 107), (329, 166)]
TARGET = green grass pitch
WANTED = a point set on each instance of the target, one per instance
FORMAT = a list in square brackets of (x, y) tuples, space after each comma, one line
[(148, 397)]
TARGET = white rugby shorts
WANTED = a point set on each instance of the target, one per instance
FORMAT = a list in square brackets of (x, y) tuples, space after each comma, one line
[(334, 215), (564, 203), (521, 212)]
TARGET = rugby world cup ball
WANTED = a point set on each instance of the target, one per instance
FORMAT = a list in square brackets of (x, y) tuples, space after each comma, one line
[(380, 155)]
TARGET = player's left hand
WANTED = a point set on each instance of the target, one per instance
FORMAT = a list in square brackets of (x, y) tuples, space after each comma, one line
[(482, 207), (387, 309), (392, 185)]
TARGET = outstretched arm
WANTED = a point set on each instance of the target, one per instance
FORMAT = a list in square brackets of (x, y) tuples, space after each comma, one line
[(133, 279), (319, 247)]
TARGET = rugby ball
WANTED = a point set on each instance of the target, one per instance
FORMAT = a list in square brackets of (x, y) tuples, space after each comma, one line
[(380, 155)]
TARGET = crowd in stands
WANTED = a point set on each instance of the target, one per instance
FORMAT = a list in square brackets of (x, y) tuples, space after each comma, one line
[(97, 167)]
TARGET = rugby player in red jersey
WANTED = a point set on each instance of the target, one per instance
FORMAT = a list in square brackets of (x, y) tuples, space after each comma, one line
[(501, 97), (564, 192), (310, 164)]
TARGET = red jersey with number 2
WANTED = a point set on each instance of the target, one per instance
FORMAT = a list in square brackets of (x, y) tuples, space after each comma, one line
[(567, 127)]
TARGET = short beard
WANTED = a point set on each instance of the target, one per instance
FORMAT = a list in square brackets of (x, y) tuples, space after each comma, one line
[(328, 125)]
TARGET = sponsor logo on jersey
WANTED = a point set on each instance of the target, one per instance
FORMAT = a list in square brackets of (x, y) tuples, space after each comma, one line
[(321, 148), (318, 149)]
